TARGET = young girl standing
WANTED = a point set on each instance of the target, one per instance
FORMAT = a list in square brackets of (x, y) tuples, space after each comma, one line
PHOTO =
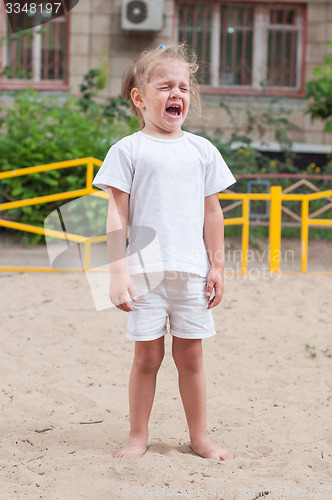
[(167, 180)]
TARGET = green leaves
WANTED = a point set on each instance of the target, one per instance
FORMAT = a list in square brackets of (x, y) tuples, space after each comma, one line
[(320, 93), (37, 130)]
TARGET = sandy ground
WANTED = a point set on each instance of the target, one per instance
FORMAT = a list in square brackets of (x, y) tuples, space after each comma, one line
[(64, 405)]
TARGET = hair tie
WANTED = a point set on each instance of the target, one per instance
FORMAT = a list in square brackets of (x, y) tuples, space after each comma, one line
[(161, 47)]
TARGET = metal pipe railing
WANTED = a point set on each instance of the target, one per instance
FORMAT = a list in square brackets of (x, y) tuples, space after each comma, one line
[(275, 197)]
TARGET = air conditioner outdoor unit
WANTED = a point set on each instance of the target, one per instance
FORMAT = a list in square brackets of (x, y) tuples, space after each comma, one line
[(142, 15)]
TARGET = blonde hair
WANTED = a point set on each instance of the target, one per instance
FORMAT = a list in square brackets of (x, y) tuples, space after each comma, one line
[(138, 73)]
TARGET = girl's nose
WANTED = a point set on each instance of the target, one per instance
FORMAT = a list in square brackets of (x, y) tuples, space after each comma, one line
[(176, 92)]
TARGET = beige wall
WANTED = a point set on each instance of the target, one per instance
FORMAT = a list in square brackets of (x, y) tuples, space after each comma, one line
[(96, 32)]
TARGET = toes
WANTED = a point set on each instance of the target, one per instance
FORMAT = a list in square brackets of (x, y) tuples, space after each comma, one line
[(138, 452)]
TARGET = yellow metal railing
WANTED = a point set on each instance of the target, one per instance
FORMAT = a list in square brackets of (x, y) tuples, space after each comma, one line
[(89, 162), (275, 197)]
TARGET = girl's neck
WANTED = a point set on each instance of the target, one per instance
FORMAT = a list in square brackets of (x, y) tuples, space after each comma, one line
[(161, 134)]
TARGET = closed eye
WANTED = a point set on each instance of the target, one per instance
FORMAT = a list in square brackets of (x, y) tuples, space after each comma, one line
[(184, 89)]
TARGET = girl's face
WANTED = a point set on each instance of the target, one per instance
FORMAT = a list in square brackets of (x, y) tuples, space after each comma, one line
[(165, 101)]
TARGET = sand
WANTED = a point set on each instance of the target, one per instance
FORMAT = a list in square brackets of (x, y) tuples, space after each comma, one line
[(64, 403)]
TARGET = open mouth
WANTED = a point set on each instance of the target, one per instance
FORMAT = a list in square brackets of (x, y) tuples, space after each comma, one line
[(174, 111)]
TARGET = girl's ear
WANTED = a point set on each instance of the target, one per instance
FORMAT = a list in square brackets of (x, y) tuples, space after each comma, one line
[(136, 98)]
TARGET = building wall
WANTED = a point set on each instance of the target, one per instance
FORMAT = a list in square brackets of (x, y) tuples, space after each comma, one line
[(319, 30), (97, 38), (96, 33)]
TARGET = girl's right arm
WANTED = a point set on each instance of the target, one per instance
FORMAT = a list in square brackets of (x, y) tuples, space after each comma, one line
[(117, 222)]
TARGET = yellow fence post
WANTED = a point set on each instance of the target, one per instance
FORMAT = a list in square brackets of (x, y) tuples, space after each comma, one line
[(304, 234), (245, 233), (275, 228), (89, 174)]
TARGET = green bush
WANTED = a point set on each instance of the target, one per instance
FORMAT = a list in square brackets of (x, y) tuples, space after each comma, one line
[(37, 130), (319, 91)]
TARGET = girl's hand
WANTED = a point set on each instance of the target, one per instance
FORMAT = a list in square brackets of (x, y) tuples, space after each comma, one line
[(215, 280), (119, 286)]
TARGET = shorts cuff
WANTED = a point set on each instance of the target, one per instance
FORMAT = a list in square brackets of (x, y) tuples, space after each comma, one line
[(147, 336), (191, 335)]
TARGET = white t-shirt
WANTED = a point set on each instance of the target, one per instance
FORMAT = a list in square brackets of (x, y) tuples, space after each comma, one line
[(167, 180)]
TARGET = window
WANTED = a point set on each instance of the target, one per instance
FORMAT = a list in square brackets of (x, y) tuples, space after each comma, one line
[(245, 47), (36, 57)]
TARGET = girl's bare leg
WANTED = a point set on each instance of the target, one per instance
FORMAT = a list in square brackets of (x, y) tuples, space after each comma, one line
[(142, 384), (188, 357)]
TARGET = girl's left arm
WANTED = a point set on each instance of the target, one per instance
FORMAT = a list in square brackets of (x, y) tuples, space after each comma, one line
[(213, 234)]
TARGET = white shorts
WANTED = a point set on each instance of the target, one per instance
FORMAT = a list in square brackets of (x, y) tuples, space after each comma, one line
[(179, 296)]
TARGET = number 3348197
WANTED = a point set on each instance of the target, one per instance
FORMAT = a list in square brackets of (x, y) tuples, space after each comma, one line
[(32, 8)]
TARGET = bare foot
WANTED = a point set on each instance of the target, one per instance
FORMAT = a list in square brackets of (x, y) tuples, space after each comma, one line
[(208, 449), (135, 446)]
